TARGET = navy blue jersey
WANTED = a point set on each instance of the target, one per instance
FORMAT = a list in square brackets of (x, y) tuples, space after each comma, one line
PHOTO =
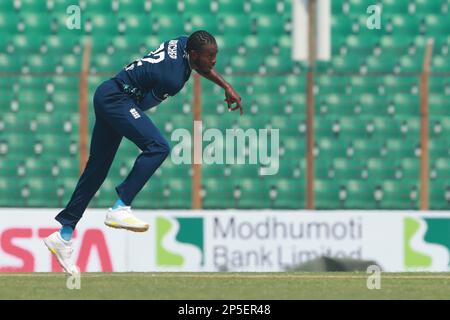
[(161, 73)]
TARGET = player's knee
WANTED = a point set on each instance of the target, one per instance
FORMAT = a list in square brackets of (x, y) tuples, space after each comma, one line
[(160, 147), (165, 149)]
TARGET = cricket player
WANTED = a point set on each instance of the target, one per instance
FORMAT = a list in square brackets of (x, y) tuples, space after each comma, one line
[(119, 105)]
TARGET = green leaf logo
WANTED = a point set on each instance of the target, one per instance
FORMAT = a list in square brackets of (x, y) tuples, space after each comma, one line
[(427, 243), (179, 242)]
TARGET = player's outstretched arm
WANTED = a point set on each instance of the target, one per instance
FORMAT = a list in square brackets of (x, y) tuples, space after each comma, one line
[(231, 96)]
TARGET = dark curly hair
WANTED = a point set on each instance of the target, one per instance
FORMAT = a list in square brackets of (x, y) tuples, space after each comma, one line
[(198, 39)]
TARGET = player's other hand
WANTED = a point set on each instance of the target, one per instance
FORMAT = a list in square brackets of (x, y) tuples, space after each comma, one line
[(232, 97)]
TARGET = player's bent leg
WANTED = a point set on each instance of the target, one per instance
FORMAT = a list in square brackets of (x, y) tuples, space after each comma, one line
[(123, 218), (63, 252), (151, 158), (137, 127), (129, 121)]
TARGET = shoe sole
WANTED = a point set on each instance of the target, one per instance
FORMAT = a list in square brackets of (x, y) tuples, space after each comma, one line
[(55, 253), (134, 229)]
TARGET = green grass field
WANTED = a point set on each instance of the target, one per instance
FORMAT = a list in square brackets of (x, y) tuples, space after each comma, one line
[(233, 286)]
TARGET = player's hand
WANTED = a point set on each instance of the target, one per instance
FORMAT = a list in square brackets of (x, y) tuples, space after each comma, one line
[(231, 97)]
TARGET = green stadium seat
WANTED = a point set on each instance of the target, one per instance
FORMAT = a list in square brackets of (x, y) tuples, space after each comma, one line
[(96, 6), (345, 169), (243, 64), (406, 104), (11, 6), (8, 63), (285, 193), (234, 24), (344, 64), (101, 25), (43, 193), (171, 170), (163, 7), (440, 64), (131, 7), (404, 25), (362, 84), (411, 64), (429, 7), (152, 196), (263, 7), (268, 25), (218, 193), (137, 26), (197, 6), (10, 190), (327, 194), (395, 41), (439, 194), (442, 169), (71, 63), (336, 8), (360, 41), (193, 22), (284, 7), (230, 7), (107, 63), (340, 26), (66, 168), (379, 169), (397, 7), (180, 193), (337, 104), (401, 148), (438, 149), (438, 104), (366, 147), (9, 22), (167, 28), (357, 7), (34, 24), (26, 43), (436, 25), (398, 194), (374, 64), (245, 170), (360, 194), (253, 194)]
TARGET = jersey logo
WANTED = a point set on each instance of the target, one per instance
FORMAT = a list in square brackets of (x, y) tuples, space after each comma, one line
[(134, 113), (172, 49)]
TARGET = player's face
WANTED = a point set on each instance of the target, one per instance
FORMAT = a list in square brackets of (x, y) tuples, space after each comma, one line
[(205, 59)]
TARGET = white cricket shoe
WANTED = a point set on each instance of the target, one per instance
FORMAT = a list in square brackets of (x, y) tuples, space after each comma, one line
[(122, 218), (62, 249)]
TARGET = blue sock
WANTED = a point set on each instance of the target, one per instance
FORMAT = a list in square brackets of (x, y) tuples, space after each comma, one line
[(119, 203), (66, 232)]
